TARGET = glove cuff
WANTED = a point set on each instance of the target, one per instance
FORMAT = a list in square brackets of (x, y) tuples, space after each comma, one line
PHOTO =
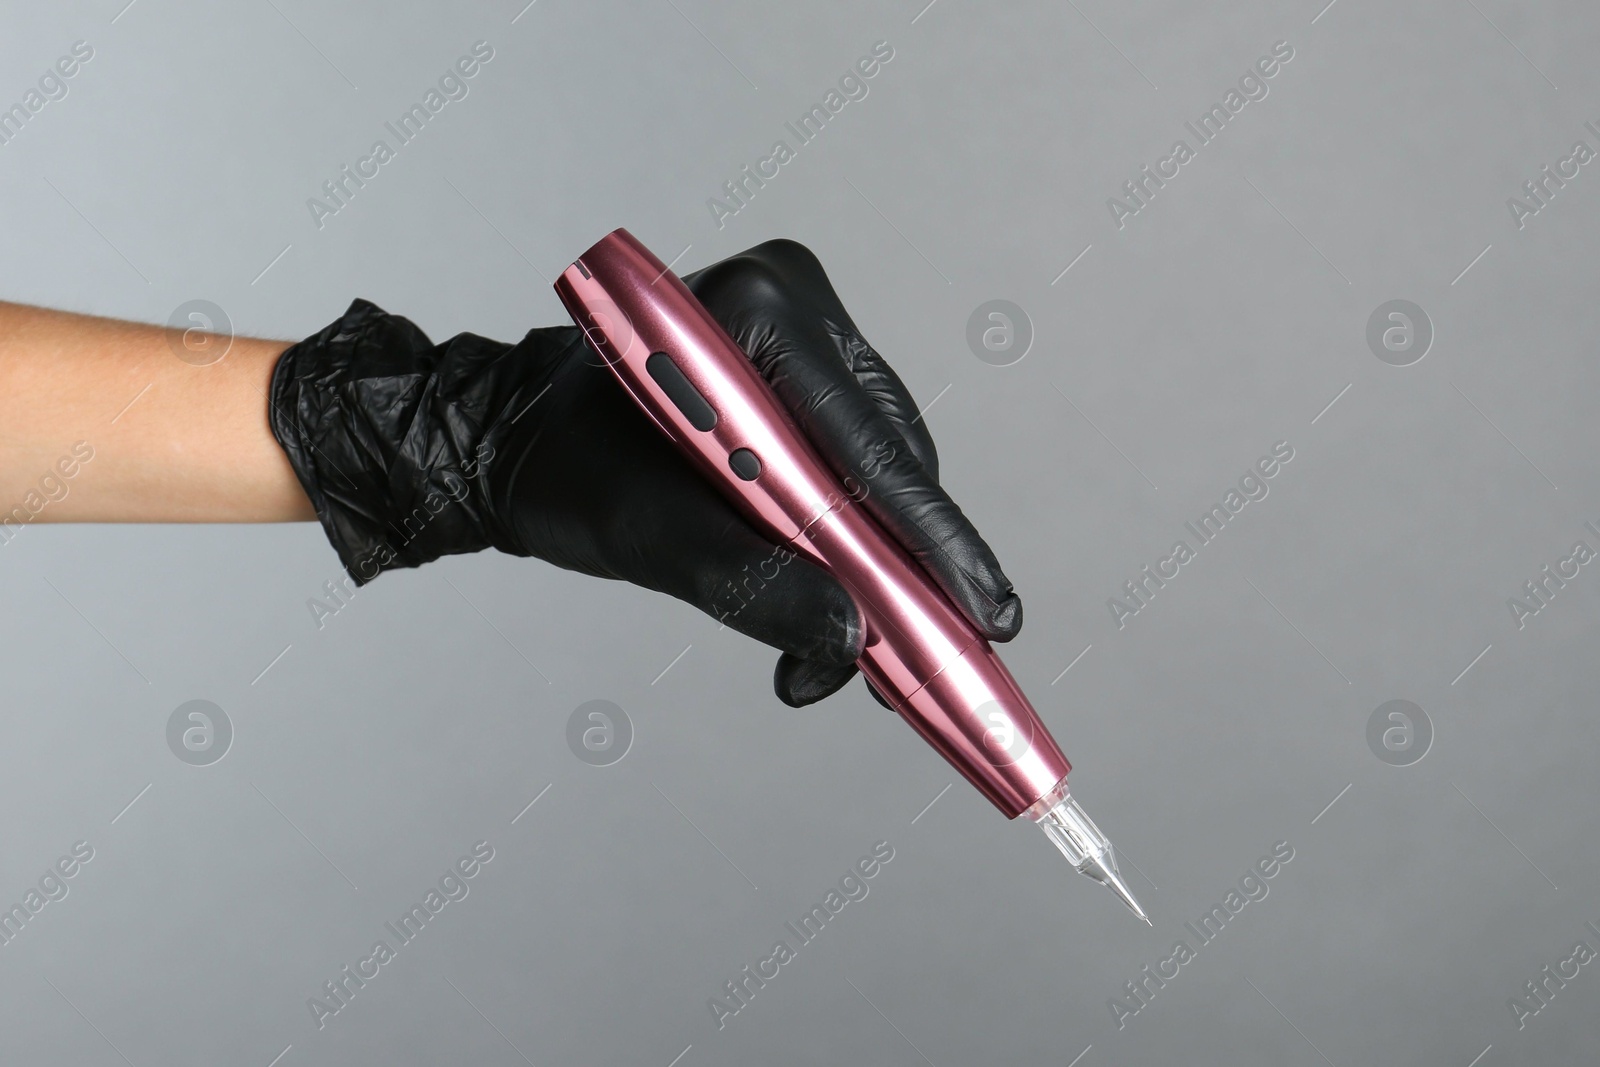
[(393, 437)]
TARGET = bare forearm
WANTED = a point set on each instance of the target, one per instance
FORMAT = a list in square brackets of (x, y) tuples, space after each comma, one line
[(170, 441)]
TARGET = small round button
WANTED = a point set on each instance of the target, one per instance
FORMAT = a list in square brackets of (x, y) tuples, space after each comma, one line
[(745, 463)]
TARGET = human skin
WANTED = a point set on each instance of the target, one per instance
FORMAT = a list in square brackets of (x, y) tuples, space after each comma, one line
[(173, 442)]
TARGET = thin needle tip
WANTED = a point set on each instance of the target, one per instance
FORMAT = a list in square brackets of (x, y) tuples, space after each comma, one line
[(1111, 878), (1072, 831)]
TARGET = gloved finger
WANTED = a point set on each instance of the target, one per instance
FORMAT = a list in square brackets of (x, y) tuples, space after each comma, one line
[(800, 681), (788, 321), (891, 396), (807, 285)]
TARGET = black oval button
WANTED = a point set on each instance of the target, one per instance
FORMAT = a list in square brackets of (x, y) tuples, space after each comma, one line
[(681, 391), (745, 463)]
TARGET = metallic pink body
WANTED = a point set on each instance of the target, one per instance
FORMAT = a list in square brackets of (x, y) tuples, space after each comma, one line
[(940, 675)]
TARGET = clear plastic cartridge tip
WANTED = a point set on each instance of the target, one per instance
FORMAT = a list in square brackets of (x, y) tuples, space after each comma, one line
[(1080, 840)]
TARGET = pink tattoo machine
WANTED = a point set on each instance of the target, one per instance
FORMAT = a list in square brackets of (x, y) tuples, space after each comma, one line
[(921, 654)]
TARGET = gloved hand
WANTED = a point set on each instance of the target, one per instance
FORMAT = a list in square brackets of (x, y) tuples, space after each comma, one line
[(410, 451)]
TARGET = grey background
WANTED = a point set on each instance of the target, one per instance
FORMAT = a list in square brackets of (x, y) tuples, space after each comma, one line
[(1225, 717)]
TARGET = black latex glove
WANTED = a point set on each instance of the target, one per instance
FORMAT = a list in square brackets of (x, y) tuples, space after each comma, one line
[(410, 451)]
